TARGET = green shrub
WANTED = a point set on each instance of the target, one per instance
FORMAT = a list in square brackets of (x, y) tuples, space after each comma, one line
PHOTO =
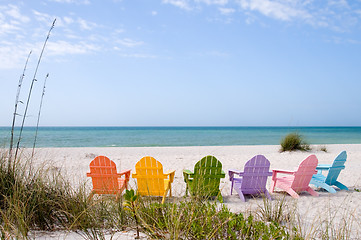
[(195, 219), (323, 149), (294, 142)]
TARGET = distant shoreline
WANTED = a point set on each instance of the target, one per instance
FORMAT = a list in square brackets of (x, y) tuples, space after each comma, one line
[(177, 136)]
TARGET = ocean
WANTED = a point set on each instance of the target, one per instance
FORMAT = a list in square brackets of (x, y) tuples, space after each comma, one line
[(176, 136)]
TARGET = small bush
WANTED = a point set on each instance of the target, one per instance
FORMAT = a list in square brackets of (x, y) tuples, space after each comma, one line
[(323, 149), (294, 142)]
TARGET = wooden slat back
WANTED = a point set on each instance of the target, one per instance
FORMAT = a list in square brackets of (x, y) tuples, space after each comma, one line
[(304, 173), (104, 176), (207, 173), (150, 176), (256, 172), (337, 165)]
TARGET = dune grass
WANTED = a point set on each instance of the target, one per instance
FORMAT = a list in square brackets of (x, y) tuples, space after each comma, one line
[(294, 142)]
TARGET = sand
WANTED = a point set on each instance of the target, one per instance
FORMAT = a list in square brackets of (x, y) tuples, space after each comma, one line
[(344, 204)]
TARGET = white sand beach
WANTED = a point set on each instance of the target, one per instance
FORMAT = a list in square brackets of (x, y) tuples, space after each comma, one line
[(344, 204)]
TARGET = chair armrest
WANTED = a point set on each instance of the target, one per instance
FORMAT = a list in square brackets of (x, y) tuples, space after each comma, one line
[(323, 166), (126, 173), (223, 174), (171, 174), (134, 175), (187, 174), (88, 174), (232, 172), (283, 171), (275, 171)]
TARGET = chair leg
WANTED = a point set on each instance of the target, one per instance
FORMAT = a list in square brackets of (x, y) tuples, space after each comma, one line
[(232, 187), (341, 186), (164, 196), (272, 187), (312, 192), (328, 188), (90, 196), (292, 192), (240, 194), (220, 198), (267, 194)]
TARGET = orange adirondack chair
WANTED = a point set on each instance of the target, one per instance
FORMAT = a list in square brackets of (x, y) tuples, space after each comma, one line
[(151, 179), (105, 178), (297, 181)]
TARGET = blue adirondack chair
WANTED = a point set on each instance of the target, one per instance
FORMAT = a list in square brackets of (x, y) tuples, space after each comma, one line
[(326, 182), (253, 179)]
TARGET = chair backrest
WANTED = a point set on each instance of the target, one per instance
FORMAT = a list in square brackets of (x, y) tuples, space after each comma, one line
[(150, 177), (255, 174), (104, 175), (337, 165), (207, 175), (304, 173)]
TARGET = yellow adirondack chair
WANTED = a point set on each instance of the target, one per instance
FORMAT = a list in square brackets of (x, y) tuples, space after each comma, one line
[(151, 179)]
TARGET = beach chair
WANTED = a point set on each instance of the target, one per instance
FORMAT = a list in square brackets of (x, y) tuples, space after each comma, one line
[(151, 179), (326, 182), (296, 181), (204, 181), (253, 179), (105, 178)]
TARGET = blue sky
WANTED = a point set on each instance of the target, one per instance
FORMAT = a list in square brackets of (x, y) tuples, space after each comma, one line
[(184, 62)]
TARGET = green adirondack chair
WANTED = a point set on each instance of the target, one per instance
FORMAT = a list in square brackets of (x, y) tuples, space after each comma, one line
[(204, 181)]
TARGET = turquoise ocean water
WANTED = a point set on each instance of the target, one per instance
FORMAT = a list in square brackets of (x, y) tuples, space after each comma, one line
[(177, 136)]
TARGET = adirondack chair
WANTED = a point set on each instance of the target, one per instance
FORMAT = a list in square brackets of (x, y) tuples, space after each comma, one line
[(151, 179), (253, 179), (326, 182), (105, 178), (204, 181), (297, 181)]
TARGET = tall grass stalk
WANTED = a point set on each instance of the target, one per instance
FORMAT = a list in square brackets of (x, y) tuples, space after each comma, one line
[(31, 88), (37, 122), (16, 104)]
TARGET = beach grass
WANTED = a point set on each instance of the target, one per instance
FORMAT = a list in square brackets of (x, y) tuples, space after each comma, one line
[(294, 142)]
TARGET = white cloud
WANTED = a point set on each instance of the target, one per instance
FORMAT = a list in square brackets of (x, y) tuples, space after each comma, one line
[(11, 19), (183, 4), (136, 55), (213, 2), (129, 42), (11, 55), (68, 20), (154, 13), (279, 9), (61, 48), (14, 12), (43, 17), (86, 25), (227, 11), (80, 2)]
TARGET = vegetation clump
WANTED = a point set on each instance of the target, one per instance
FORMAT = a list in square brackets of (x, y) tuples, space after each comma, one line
[(294, 142)]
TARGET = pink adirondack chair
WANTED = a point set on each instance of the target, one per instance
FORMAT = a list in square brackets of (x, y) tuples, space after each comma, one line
[(253, 179), (105, 178), (297, 181)]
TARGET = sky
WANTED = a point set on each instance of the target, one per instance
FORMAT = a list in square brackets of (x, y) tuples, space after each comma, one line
[(182, 62)]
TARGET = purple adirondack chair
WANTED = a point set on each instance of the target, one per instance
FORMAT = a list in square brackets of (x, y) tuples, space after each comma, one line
[(253, 179)]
